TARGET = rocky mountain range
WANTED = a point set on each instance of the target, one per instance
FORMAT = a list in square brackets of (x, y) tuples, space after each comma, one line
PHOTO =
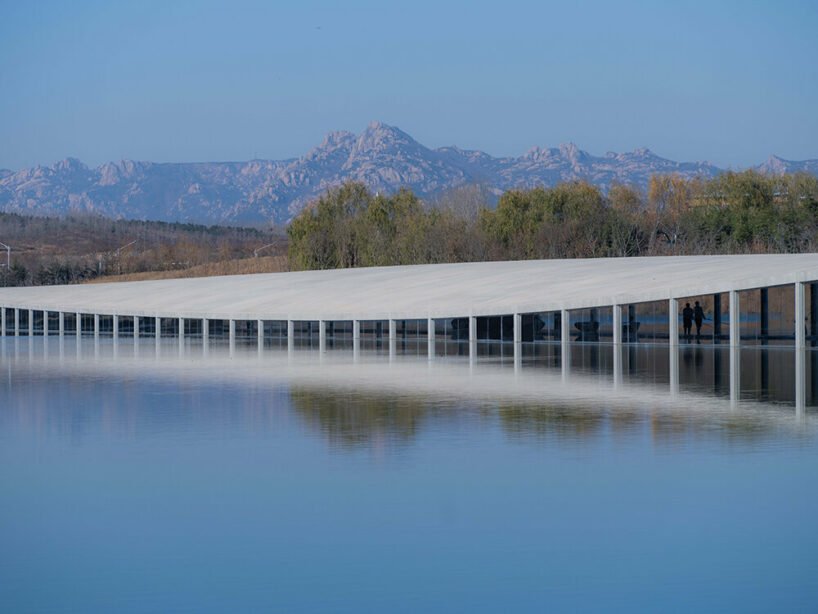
[(261, 191)]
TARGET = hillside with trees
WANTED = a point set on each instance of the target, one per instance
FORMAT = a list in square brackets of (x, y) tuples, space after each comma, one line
[(75, 249), (745, 212)]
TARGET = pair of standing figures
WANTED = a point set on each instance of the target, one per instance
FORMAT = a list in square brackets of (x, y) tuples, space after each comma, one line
[(691, 315)]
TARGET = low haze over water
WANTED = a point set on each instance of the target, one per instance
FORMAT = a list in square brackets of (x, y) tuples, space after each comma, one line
[(137, 480)]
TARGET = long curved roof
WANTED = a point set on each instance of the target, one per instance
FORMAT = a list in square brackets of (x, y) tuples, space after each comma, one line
[(421, 291)]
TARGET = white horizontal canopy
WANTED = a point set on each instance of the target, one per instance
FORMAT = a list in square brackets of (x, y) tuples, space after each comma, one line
[(425, 291)]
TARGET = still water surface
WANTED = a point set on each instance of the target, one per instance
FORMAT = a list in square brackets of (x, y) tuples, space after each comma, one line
[(133, 482)]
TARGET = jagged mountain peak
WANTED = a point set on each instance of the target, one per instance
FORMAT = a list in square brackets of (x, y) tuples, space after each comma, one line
[(571, 151), (777, 165), (379, 136), (336, 139), (69, 164), (383, 156)]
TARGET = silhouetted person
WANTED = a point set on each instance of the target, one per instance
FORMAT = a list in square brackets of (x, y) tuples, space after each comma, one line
[(698, 318), (687, 319)]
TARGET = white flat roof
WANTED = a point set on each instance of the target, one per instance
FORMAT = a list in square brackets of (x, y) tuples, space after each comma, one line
[(421, 291)]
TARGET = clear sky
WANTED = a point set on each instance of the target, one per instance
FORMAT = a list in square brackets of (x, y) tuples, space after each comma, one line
[(730, 82)]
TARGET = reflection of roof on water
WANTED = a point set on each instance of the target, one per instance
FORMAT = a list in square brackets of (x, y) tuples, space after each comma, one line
[(438, 291), (405, 376)]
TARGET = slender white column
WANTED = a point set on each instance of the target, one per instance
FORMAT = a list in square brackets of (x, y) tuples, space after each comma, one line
[(30, 322), (96, 326), (430, 338), (617, 325), (181, 326), (735, 314), (16, 322), (78, 324), (565, 342), (116, 326), (290, 335), (356, 338), (673, 322), (45, 324), (232, 335), (61, 325), (136, 327), (800, 316), (322, 335), (205, 336), (157, 326), (518, 340), (393, 339), (2, 321), (472, 334), (565, 326), (260, 334)]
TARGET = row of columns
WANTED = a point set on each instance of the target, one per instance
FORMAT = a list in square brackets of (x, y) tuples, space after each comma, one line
[(673, 324)]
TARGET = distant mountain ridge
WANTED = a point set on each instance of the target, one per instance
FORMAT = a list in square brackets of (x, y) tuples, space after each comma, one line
[(383, 157)]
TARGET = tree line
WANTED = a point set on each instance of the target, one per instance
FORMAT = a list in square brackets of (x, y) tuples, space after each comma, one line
[(74, 249), (735, 212)]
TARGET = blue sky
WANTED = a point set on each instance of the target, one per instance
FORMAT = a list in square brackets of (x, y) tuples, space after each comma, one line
[(729, 82)]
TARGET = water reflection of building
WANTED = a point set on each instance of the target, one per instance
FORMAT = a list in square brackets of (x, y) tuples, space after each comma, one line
[(362, 401)]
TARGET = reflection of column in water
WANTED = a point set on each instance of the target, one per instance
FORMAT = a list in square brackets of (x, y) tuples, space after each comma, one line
[(800, 380), (673, 368), (764, 374), (617, 365), (735, 374)]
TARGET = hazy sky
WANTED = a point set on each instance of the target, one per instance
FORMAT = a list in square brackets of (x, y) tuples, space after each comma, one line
[(729, 82)]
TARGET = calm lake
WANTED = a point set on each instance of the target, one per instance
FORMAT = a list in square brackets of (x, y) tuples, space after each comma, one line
[(145, 479)]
